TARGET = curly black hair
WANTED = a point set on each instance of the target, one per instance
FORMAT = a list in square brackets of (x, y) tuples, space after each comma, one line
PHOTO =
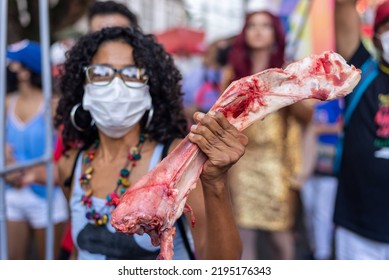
[(168, 121)]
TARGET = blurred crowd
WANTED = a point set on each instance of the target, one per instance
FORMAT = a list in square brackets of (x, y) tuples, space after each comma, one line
[(293, 194)]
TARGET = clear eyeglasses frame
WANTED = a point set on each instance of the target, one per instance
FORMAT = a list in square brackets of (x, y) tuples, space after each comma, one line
[(102, 75)]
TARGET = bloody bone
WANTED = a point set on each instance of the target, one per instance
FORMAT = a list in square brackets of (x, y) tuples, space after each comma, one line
[(157, 200)]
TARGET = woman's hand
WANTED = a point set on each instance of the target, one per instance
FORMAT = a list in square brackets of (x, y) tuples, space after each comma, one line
[(223, 144), (13, 178), (216, 235)]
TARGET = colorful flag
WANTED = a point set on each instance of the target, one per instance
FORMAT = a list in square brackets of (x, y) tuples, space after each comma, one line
[(311, 28)]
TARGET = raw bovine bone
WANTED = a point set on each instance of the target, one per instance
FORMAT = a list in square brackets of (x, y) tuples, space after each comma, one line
[(157, 200)]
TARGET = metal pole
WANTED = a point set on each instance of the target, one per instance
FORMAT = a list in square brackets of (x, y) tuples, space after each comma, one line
[(46, 75), (3, 46), (23, 165)]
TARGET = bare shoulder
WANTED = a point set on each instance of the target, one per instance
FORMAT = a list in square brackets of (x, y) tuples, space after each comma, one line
[(8, 100), (174, 144)]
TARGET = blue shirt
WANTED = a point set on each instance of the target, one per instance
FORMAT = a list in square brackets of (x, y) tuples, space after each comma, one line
[(327, 113)]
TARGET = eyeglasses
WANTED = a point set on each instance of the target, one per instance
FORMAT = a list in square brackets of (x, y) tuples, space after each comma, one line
[(102, 75)]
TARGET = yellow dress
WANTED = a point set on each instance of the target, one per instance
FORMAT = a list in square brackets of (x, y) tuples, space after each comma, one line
[(262, 179)]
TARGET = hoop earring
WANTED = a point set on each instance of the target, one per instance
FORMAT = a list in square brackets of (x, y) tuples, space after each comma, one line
[(73, 118), (149, 117)]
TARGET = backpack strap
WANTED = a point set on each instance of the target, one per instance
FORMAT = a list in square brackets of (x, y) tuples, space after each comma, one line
[(180, 221), (369, 73), (166, 147)]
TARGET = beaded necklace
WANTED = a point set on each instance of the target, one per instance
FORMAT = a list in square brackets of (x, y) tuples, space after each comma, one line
[(112, 199)]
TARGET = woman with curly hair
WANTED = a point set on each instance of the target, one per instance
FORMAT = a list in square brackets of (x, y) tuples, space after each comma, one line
[(122, 104)]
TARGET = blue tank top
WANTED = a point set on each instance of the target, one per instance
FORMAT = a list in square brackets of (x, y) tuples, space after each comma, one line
[(103, 242), (27, 139)]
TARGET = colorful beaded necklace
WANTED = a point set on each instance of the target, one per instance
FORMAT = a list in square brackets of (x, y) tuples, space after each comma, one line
[(112, 199)]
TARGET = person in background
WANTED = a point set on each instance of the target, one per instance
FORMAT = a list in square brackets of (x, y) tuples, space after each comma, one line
[(361, 209), (201, 86), (318, 192), (262, 182), (65, 40), (26, 204), (110, 13), (122, 99)]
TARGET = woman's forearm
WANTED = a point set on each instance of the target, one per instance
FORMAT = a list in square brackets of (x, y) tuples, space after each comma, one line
[(223, 241)]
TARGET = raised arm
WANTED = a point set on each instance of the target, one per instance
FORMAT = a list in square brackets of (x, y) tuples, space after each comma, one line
[(215, 234), (347, 27)]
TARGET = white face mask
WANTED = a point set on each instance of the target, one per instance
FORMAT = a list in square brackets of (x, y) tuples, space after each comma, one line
[(385, 45), (116, 108)]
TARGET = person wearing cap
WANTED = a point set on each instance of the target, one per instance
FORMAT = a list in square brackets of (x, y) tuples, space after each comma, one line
[(362, 209), (26, 203)]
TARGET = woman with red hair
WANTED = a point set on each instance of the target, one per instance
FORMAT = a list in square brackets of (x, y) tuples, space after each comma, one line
[(262, 185), (259, 46)]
